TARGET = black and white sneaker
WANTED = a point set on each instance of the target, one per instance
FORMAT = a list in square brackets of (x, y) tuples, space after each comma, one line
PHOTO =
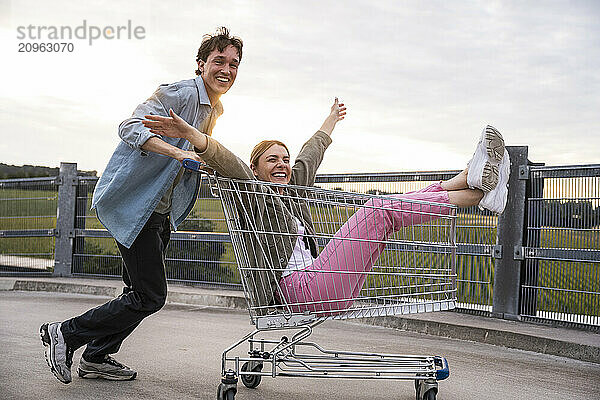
[(58, 355), (109, 368)]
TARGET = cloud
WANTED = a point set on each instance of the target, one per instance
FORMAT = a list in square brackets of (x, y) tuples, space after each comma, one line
[(421, 76)]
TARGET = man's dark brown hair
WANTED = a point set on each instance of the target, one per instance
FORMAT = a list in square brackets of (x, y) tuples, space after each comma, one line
[(219, 40)]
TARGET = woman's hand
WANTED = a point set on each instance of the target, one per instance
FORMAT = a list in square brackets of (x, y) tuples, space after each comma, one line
[(173, 126), (338, 110), (338, 113)]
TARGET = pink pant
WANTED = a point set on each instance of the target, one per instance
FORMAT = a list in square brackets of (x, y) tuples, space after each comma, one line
[(349, 260)]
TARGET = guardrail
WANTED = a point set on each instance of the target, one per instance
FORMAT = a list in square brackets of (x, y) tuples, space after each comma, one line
[(560, 256), (28, 211), (539, 260)]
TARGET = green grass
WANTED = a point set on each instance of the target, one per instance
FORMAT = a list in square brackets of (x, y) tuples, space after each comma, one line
[(22, 209), (27, 209)]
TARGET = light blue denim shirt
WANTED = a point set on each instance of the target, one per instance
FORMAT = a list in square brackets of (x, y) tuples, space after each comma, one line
[(134, 181)]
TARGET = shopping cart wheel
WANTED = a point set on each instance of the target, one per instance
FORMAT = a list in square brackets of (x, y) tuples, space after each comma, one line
[(251, 381), (425, 389), (430, 395), (225, 394), (228, 387)]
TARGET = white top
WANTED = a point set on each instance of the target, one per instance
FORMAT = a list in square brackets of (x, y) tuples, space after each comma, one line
[(301, 257)]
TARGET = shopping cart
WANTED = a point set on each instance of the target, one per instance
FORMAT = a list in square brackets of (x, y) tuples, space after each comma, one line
[(415, 273)]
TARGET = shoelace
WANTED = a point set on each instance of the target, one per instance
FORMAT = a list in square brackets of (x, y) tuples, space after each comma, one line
[(109, 360), (69, 360)]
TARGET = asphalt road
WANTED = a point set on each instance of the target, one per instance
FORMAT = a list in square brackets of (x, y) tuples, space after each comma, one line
[(177, 355)]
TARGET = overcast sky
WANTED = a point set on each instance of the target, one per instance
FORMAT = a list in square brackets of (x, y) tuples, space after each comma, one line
[(420, 78)]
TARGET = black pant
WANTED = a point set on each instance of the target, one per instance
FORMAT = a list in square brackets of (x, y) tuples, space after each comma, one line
[(105, 327)]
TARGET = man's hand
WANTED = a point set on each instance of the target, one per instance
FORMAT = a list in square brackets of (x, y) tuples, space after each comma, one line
[(183, 154), (157, 145), (173, 126), (195, 157)]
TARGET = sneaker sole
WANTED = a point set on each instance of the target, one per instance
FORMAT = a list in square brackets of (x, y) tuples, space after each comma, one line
[(49, 352), (102, 375), (494, 144), (489, 177)]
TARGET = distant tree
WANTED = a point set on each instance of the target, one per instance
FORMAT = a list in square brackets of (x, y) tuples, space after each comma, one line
[(378, 192), (204, 191), (196, 259), (95, 259), (32, 171), (579, 214), (192, 260)]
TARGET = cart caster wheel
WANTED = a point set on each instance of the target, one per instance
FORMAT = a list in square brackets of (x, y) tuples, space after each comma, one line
[(430, 395), (251, 381), (228, 387), (425, 390), (225, 394)]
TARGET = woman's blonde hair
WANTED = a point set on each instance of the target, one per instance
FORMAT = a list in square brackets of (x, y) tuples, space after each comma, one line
[(263, 146)]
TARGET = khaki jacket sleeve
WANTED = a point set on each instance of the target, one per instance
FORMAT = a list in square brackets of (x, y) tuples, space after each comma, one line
[(309, 159), (224, 162)]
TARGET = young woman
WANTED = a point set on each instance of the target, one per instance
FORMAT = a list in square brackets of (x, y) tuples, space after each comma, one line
[(331, 280)]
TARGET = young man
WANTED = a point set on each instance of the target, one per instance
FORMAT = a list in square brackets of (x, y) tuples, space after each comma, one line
[(141, 194)]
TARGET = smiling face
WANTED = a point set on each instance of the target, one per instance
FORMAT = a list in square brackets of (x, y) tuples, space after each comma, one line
[(219, 71), (273, 165)]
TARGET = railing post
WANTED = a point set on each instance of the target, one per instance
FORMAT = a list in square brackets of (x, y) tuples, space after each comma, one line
[(65, 219), (534, 214), (511, 227)]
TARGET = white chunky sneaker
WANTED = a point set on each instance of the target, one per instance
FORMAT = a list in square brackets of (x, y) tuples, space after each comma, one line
[(483, 168), (59, 356), (495, 200), (108, 368)]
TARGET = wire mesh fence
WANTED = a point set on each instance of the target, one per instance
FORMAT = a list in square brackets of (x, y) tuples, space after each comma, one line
[(560, 272), (561, 276), (196, 254), (27, 225)]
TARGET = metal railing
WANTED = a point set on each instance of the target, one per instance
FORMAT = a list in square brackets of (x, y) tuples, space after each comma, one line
[(199, 252), (539, 261), (561, 275), (28, 225)]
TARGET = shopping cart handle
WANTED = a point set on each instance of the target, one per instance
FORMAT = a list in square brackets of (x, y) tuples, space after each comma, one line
[(444, 371), (193, 164)]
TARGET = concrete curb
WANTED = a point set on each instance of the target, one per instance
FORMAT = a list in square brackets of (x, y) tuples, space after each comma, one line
[(212, 300), (173, 296), (498, 337), (508, 339), (8, 284), (42, 286)]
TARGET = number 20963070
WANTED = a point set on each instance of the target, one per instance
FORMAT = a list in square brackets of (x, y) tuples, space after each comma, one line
[(65, 47)]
